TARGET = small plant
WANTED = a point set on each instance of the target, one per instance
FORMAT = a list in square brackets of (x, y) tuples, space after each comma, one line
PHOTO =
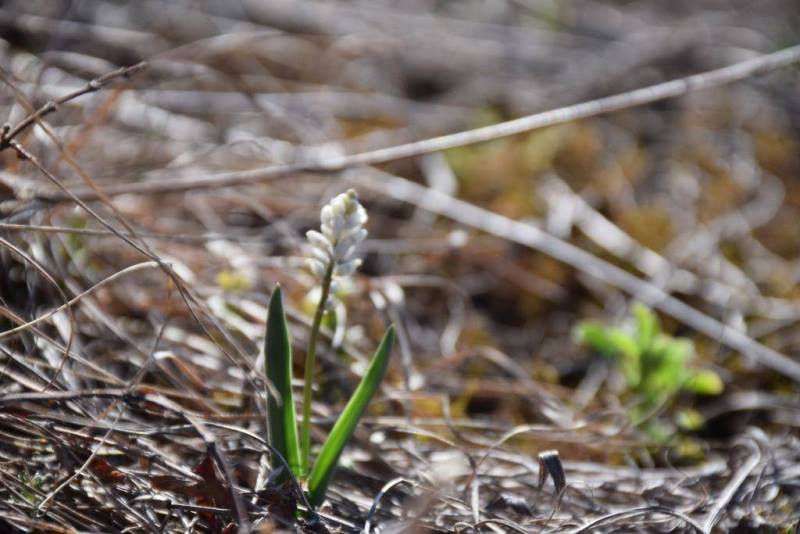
[(655, 365), (333, 258)]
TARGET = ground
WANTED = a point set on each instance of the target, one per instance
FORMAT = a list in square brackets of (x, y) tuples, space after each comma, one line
[(180, 152)]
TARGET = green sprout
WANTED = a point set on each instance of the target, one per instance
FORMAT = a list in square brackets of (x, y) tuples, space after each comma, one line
[(655, 365), (333, 251)]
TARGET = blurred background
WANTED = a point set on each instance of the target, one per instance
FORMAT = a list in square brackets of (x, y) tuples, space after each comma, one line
[(697, 195)]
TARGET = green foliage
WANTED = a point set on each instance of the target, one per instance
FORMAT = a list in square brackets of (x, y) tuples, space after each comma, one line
[(705, 383), (278, 361), (346, 424), (280, 408), (655, 365), (689, 419)]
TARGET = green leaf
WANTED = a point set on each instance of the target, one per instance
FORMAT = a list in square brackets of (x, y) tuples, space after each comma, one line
[(631, 365), (664, 365), (679, 351), (662, 382), (614, 343), (690, 419), (659, 431), (705, 383), (610, 341), (328, 458), (281, 420), (647, 325)]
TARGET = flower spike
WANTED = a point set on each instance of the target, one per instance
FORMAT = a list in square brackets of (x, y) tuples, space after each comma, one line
[(342, 231)]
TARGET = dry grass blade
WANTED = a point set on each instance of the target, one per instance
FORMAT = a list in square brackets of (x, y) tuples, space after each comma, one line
[(527, 167)]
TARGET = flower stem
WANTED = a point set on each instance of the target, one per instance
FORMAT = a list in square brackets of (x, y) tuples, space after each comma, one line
[(308, 373)]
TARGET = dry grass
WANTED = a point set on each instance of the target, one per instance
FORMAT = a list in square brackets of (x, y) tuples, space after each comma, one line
[(146, 216)]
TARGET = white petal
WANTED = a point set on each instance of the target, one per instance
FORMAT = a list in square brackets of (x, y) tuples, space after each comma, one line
[(394, 292), (321, 255), (355, 235), (347, 246), (358, 236), (341, 323), (357, 217), (319, 241), (343, 251), (326, 215), (317, 268), (327, 232), (347, 268), (339, 204), (337, 225)]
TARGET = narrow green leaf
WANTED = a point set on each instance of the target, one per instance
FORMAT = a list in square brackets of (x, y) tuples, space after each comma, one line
[(705, 383), (631, 366), (328, 458), (592, 333), (647, 325), (614, 343), (678, 351), (281, 420), (610, 341), (690, 419)]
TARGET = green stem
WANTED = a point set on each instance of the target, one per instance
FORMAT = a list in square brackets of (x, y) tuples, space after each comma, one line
[(308, 373)]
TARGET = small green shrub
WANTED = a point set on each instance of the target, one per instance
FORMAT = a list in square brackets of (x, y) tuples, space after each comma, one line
[(655, 365)]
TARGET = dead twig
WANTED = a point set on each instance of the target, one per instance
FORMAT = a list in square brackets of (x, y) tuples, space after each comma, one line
[(11, 132), (592, 108)]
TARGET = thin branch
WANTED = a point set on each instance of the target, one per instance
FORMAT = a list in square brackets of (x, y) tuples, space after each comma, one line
[(638, 97), (52, 105)]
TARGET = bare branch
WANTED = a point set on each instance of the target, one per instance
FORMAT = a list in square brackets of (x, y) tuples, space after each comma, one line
[(592, 108), (91, 87)]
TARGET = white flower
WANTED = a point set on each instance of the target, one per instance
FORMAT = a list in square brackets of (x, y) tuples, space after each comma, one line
[(342, 230)]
